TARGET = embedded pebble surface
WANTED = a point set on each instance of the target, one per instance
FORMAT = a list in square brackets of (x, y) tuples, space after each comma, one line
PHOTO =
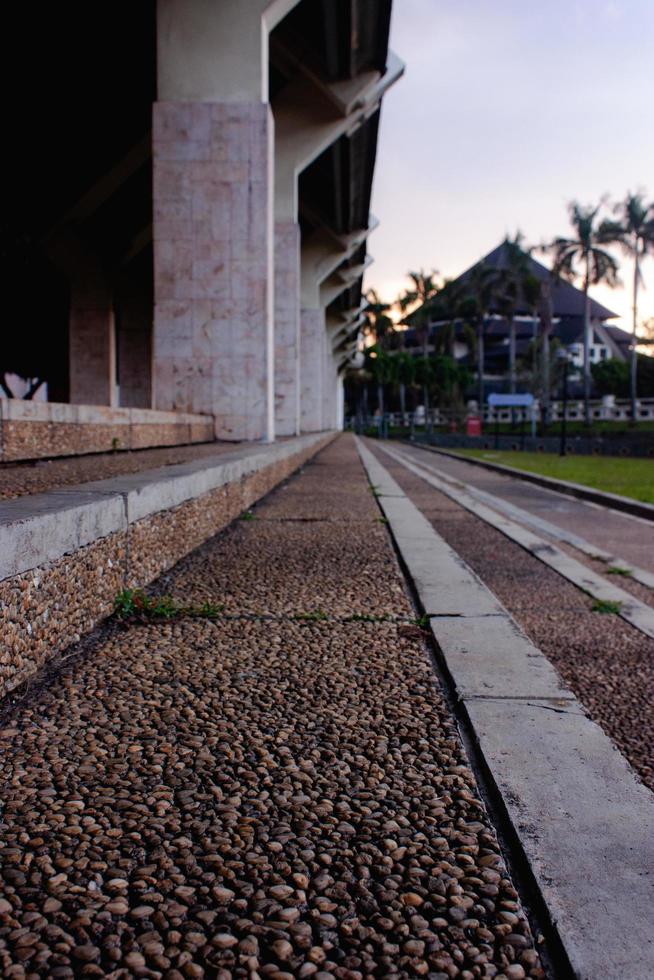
[(253, 797)]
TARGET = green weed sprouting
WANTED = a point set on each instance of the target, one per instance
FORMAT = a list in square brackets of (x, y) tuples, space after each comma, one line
[(137, 604), (606, 606), (619, 570), (311, 617)]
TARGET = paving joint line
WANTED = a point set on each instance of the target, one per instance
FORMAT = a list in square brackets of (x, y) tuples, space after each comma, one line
[(551, 950)]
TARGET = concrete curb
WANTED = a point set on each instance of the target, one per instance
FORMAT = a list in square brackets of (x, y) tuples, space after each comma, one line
[(43, 527), (583, 824), (635, 612), (637, 508)]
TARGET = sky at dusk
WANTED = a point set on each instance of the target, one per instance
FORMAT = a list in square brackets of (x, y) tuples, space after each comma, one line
[(507, 110)]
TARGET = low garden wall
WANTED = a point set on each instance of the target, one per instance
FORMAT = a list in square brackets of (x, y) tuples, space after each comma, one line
[(637, 445)]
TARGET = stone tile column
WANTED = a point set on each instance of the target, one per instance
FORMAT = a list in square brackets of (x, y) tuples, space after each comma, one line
[(213, 256), (287, 328), (312, 357), (92, 345), (135, 367), (134, 342)]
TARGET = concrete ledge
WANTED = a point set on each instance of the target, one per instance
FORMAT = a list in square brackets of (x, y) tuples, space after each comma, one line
[(637, 508), (582, 823), (65, 554), (34, 430)]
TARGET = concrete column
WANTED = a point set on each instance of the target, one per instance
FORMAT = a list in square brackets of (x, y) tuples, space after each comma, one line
[(340, 408), (287, 328), (329, 386), (312, 358), (213, 255), (134, 337), (92, 344), (213, 219)]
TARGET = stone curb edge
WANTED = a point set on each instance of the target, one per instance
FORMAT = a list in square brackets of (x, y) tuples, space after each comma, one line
[(42, 528), (582, 823), (636, 508)]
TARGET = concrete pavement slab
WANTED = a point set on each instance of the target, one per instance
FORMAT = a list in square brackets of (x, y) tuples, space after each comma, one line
[(489, 656), (586, 827)]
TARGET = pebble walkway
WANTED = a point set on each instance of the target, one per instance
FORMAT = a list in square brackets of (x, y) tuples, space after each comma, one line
[(280, 792)]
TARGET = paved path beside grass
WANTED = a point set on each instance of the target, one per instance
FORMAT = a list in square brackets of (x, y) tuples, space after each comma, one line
[(621, 475), (280, 792), (608, 664), (619, 534)]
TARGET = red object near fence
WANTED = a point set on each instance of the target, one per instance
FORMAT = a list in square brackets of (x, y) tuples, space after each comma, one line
[(473, 426)]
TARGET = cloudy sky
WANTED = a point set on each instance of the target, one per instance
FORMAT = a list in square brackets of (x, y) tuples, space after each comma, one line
[(509, 109)]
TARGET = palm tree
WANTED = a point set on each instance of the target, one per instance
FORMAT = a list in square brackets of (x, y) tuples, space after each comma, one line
[(511, 288), (379, 325), (418, 299), (482, 284), (445, 311), (634, 232), (381, 368), (583, 255), (405, 370)]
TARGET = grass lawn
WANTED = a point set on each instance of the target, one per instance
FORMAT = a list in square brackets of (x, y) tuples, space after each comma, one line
[(615, 474)]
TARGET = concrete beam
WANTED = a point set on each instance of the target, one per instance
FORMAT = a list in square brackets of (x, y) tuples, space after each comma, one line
[(210, 51), (322, 253), (348, 94), (344, 278), (308, 120)]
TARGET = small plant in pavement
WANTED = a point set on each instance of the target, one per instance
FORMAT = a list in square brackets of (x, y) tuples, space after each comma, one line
[(619, 570), (135, 604), (606, 606)]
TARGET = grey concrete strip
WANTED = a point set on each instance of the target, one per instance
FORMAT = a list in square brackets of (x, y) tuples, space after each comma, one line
[(641, 575), (614, 501), (583, 823), (627, 606), (444, 595), (586, 827), (43, 527), (153, 491), (488, 656)]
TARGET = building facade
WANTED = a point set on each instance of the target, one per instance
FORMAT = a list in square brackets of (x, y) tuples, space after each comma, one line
[(198, 244)]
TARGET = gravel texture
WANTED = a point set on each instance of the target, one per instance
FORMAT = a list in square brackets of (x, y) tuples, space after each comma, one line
[(607, 663), (18, 479), (272, 798)]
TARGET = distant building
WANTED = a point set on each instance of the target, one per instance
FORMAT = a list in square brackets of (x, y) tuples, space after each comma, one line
[(567, 309)]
